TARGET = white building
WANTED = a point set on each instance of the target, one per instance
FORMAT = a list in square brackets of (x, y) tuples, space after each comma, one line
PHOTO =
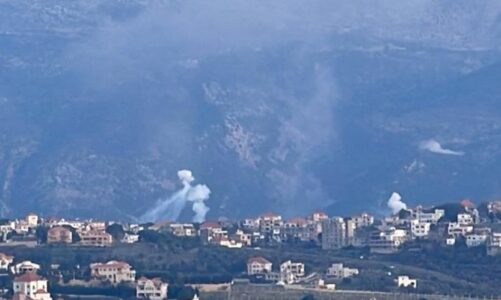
[(338, 271), (113, 271), (228, 243), (431, 217), (270, 224), (405, 281), (242, 237), (25, 267), (32, 220), (494, 244), (387, 240), (363, 220), (187, 230), (153, 289), (456, 229), (5, 261), (258, 265), (130, 238), (465, 219), (290, 271), (476, 239), (420, 229), (31, 285)]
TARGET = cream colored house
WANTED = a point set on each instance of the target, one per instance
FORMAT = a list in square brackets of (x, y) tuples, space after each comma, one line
[(258, 265), (32, 220), (113, 271), (340, 271), (25, 267), (31, 285), (96, 238), (153, 289)]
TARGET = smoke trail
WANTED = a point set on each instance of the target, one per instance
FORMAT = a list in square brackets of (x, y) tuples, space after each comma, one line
[(435, 147), (395, 203), (172, 207)]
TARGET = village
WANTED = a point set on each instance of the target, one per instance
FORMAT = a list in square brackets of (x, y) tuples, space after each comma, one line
[(454, 225)]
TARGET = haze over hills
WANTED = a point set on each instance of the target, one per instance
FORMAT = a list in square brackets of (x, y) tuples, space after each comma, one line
[(287, 106)]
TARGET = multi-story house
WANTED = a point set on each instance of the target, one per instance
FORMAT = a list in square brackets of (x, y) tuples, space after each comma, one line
[(338, 271), (420, 229), (25, 267), (494, 244), (270, 226), (363, 220), (291, 272), (152, 289), (258, 265), (297, 229), (387, 240), (95, 238), (336, 233), (211, 230), (113, 271), (242, 237), (30, 286), (457, 229), (465, 219), (476, 239), (59, 235), (183, 230), (431, 217)]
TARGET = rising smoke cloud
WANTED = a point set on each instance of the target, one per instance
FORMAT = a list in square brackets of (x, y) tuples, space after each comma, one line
[(435, 147), (395, 203), (172, 207)]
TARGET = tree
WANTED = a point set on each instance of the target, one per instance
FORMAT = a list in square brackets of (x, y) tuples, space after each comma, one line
[(75, 237), (41, 234), (116, 231)]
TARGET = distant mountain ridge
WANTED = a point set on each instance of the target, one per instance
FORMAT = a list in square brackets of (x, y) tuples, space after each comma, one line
[(287, 107)]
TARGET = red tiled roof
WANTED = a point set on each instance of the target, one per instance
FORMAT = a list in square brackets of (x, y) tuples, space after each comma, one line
[(210, 225), (467, 203), (28, 277), (269, 215), (258, 259), (297, 220), (111, 263)]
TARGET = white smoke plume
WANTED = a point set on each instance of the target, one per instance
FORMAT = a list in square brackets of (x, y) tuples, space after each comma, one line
[(435, 147), (395, 203), (171, 208)]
